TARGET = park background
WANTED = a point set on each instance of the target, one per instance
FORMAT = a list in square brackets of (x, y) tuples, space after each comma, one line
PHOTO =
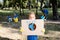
[(22, 8)]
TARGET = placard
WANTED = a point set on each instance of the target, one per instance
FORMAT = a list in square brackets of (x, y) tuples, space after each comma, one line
[(32, 27)]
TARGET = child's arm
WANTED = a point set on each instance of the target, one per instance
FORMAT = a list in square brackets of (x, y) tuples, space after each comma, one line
[(21, 30)]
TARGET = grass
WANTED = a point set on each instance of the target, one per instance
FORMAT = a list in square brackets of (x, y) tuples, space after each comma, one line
[(24, 12)]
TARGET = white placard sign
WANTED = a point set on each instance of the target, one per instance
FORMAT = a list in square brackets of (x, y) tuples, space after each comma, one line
[(32, 27)]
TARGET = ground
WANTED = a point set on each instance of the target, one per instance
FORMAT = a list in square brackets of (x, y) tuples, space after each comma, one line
[(7, 31)]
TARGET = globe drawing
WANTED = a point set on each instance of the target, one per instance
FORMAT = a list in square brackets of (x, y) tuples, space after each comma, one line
[(32, 26)]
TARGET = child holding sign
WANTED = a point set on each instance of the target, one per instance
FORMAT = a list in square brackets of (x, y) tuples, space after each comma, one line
[(32, 17), (32, 37)]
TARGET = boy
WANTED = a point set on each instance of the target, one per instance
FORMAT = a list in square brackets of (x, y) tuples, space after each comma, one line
[(32, 17)]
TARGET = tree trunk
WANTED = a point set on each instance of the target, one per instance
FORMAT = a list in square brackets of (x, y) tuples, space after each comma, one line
[(41, 4), (4, 1), (54, 8)]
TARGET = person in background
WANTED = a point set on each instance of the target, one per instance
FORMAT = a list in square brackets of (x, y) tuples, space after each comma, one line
[(42, 17), (15, 17), (45, 12), (9, 19)]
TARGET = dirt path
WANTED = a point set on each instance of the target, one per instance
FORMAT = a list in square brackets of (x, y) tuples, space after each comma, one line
[(11, 33)]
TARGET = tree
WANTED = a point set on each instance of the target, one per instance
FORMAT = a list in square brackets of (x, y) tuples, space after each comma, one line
[(41, 4), (7, 3), (54, 8), (4, 2)]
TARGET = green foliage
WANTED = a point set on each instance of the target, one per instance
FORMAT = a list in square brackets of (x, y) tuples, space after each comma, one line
[(25, 4), (7, 3)]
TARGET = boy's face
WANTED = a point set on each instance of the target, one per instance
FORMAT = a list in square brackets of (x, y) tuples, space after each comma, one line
[(32, 17)]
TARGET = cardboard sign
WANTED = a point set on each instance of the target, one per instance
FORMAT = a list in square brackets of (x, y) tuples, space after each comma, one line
[(32, 27)]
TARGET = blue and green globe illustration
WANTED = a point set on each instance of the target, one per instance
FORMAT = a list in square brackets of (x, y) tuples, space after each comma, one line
[(32, 26)]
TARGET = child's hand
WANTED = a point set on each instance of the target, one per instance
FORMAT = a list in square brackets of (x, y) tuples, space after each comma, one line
[(21, 29), (43, 30)]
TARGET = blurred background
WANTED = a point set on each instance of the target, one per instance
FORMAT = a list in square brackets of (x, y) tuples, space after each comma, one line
[(23, 7)]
